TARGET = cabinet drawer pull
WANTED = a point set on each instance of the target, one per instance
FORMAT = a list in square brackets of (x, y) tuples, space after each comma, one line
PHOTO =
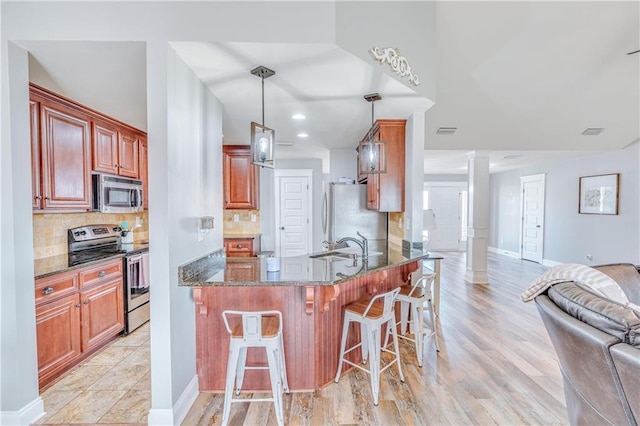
[(239, 246), (102, 273), (47, 290)]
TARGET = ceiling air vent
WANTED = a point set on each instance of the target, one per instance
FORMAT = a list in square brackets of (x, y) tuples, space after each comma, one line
[(446, 130), (593, 131), (285, 143)]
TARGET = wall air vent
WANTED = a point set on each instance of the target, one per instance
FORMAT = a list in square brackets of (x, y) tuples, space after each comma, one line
[(285, 143), (593, 131), (446, 130)]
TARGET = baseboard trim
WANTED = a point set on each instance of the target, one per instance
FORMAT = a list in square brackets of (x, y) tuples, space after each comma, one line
[(176, 415), (550, 263), (509, 253), (27, 415)]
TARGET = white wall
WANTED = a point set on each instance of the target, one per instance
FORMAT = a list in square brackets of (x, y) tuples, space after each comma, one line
[(569, 236), (342, 163), (19, 402), (192, 154)]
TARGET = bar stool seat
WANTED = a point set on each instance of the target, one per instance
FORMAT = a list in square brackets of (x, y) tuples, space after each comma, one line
[(256, 329), (371, 315), (412, 299)]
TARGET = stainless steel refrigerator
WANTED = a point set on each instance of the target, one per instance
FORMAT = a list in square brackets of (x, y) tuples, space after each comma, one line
[(344, 212)]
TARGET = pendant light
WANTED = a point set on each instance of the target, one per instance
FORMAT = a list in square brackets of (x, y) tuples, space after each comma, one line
[(262, 137), (371, 151)]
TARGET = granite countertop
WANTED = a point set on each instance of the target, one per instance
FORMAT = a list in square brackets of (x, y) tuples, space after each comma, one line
[(217, 270), (56, 264), (241, 235)]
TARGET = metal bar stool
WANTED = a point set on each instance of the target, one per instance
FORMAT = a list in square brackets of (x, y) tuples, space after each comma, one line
[(371, 315), (412, 298), (257, 329)]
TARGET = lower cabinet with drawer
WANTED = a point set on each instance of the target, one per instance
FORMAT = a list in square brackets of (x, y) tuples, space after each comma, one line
[(242, 247), (77, 312)]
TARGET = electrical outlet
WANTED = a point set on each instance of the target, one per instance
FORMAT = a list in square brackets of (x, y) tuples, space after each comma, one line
[(236, 218), (254, 218), (138, 221)]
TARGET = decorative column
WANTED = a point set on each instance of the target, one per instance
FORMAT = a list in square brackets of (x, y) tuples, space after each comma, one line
[(478, 224), (414, 181)]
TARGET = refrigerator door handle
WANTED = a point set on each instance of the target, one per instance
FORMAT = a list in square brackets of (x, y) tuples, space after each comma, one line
[(324, 214)]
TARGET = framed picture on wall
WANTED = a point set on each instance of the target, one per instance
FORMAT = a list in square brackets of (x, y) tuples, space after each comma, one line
[(599, 194)]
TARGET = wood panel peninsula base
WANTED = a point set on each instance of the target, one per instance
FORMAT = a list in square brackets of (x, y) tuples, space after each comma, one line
[(312, 313)]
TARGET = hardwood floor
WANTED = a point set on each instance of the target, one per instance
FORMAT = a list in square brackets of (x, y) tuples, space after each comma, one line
[(496, 365)]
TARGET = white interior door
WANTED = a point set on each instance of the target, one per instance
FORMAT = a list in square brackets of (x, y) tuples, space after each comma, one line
[(532, 229), (445, 203), (293, 209)]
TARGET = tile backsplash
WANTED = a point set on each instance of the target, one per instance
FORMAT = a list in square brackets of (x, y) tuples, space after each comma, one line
[(396, 228), (50, 229), (244, 224)]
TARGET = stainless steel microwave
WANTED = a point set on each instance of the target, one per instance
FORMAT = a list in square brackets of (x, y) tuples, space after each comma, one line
[(116, 194)]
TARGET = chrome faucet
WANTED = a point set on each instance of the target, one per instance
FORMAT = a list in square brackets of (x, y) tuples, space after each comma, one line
[(364, 244)]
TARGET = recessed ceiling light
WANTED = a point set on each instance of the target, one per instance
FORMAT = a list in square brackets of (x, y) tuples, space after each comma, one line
[(303, 135), (298, 116), (592, 131), (446, 130)]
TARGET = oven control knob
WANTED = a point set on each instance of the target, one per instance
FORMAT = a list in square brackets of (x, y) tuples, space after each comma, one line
[(83, 232), (77, 233)]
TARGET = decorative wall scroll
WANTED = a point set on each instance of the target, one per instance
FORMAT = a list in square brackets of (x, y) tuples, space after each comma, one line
[(396, 61), (599, 194)]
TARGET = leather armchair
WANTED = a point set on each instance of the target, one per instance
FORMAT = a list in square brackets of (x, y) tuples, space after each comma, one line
[(598, 346)]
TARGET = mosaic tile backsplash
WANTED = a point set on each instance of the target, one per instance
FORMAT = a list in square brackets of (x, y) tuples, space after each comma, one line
[(50, 229)]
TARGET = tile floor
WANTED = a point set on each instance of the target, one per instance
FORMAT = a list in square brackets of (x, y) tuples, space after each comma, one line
[(113, 386)]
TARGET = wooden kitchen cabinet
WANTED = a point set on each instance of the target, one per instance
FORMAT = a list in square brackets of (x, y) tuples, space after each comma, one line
[(77, 312), (243, 270), (240, 178), (242, 247), (385, 191), (36, 165), (115, 151), (58, 336), (68, 142), (144, 172), (61, 144)]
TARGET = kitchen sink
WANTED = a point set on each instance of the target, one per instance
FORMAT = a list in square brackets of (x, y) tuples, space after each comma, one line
[(331, 256)]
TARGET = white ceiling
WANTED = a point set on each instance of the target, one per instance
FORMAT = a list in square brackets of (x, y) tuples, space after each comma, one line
[(515, 78)]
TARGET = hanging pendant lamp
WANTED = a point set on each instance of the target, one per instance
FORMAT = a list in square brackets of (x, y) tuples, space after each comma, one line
[(371, 151), (262, 137)]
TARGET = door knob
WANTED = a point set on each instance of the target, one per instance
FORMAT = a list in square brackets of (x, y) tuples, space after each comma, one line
[(537, 226), (282, 228)]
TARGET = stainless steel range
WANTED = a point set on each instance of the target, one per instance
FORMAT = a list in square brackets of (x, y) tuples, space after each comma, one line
[(95, 242)]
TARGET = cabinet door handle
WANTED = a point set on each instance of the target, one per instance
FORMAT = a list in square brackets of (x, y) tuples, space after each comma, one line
[(77, 305), (47, 198), (47, 290), (282, 228), (86, 302), (239, 246), (102, 273), (37, 197)]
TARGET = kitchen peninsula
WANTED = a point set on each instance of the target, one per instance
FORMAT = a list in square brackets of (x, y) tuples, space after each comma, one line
[(310, 291)]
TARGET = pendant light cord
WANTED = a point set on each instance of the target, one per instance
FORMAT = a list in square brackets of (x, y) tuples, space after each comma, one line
[(263, 102)]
